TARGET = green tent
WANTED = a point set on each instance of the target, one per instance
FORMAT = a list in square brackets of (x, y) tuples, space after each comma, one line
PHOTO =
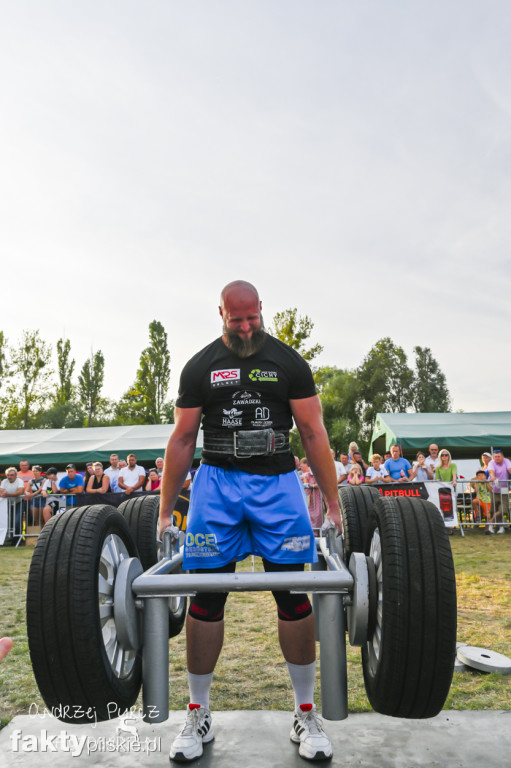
[(60, 446), (465, 435)]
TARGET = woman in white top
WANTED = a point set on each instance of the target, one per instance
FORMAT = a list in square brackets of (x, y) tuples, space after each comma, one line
[(421, 472)]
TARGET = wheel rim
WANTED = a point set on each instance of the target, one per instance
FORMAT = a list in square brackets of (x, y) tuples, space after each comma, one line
[(113, 552), (374, 643)]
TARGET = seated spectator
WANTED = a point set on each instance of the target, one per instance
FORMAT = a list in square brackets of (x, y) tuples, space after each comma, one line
[(132, 477), (99, 482), (154, 480), (481, 505), (159, 465), (398, 468), (71, 485), (355, 476), (499, 469), (33, 493), (112, 473), (50, 494), (357, 459), (11, 488), (446, 471), (377, 472), (24, 472), (421, 472)]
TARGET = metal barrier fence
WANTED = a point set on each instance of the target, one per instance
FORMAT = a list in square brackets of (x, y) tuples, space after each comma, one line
[(483, 504), (25, 516)]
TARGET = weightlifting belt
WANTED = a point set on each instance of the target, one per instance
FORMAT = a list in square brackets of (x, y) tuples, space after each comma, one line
[(244, 443)]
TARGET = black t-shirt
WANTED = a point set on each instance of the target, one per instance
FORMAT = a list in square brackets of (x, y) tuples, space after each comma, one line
[(246, 393)]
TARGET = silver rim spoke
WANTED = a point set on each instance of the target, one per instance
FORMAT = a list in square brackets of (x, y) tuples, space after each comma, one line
[(374, 644), (113, 552)]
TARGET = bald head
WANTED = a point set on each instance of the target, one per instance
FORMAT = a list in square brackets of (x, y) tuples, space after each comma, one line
[(238, 290), (243, 324)]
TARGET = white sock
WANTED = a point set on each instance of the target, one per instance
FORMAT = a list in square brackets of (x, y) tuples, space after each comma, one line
[(199, 686), (303, 677)]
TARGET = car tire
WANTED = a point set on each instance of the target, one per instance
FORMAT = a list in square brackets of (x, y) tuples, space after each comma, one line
[(408, 660), (356, 504), (82, 672)]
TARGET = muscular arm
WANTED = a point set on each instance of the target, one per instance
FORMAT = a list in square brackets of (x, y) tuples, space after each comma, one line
[(178, 460), (307, 416)]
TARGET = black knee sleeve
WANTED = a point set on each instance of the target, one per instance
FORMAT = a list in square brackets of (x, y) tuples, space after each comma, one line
[(209, 606), (290, 607)]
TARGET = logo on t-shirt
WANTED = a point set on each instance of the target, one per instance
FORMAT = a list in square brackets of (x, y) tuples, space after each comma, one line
[(225, 377), (262, 417), (256, 374), (232, 418), (246, 398)]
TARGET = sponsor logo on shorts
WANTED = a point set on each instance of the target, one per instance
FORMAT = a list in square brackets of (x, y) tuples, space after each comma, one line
[(225, 378), (201, 544), (246, 398), (256, 374), (296, 543)]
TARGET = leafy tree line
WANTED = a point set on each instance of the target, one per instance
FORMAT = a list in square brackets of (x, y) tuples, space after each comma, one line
[(384, 382), (36, 393)]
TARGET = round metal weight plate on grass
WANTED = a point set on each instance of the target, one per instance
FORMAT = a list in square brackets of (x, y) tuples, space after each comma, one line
[(484, 659)]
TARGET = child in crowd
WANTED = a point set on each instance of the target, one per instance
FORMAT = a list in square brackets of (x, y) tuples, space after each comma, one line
[(377, 473), (481, 505), (355, 476)]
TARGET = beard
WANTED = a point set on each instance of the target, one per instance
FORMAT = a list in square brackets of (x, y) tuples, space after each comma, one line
[(243, 347)]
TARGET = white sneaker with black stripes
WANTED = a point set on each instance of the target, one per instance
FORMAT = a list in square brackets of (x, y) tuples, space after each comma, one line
[(308, 731), (195, 732)]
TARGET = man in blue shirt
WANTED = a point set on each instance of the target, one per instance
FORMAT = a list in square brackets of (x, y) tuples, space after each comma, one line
[(398, 468), (71, 484)]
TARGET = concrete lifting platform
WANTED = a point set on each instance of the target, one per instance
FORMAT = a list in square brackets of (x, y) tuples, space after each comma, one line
[(453, 739)]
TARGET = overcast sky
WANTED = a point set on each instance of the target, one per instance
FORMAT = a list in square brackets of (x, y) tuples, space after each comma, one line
[(351, 158)]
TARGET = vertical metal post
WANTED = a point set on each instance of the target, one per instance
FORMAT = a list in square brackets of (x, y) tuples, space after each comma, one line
[(334, 680), (155, 660), (319, 566)]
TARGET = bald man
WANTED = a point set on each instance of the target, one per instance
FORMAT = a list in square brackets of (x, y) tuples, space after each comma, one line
[(247, 498)]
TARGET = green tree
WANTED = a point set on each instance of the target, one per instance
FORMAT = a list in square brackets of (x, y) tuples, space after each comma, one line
[(31, 373), (295, 330), (153, 375), (65, 367), (384, 383), (61, 415), (129, 409), (339, 398), (90, 384), (429, 390)]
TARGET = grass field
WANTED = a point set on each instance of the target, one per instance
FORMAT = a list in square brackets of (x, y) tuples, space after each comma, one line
[(251, 673)]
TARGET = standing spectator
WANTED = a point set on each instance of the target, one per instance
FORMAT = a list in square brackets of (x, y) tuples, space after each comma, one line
[(154, 480), (432, 459), (50, 494), (377, 472), (122, 464), (159, 465), (355, 476), (446, 471), (499, 469), (345, 461), (113, 473), (71, 484), (421, 471), (24, 472), (99, 482), (132, 477), (352, 447), (315, 500), (398, 468), (13, 487), (33, 493), (357, 459), (339, 468), (485, 460), (89, 472), (386, 456)]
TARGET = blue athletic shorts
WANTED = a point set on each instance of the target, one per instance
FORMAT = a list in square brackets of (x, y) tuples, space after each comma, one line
[(233, 514)]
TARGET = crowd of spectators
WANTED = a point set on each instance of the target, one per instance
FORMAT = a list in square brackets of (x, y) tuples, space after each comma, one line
[(489, 489), (47, 493)]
